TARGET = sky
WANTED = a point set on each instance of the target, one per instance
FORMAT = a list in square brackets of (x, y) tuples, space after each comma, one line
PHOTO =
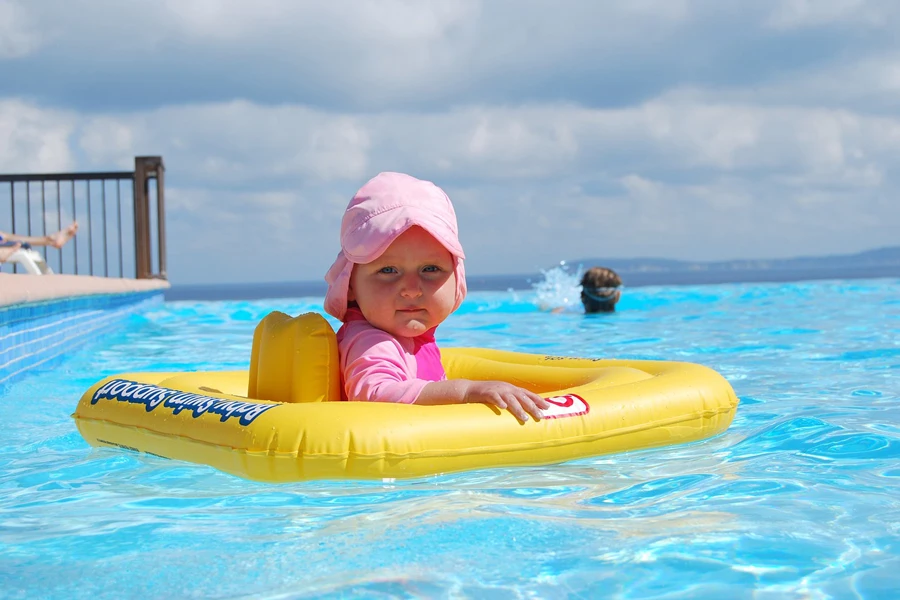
[(685, 129)]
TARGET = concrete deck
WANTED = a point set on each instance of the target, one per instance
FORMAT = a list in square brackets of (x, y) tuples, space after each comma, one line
[(19, 288)]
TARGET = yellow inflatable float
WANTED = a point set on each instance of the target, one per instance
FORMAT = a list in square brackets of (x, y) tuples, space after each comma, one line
[(277, 421)]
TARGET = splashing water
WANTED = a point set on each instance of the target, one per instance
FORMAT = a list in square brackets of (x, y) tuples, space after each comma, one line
[(560, 290)]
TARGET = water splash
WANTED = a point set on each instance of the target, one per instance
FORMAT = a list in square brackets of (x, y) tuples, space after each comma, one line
[(560, 290)]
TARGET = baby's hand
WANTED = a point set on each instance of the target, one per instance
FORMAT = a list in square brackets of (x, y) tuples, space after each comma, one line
[(519, 401)]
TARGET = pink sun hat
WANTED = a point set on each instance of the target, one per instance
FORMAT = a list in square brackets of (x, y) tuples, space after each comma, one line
[(382, 209)]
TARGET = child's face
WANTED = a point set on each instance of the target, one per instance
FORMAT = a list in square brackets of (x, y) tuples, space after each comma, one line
[(410, 288)]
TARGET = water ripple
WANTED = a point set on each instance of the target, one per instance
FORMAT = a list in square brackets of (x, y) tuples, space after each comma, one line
[(799, 498), (855, 446)]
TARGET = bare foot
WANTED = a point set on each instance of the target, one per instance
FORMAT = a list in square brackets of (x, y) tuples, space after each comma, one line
[(58, 239), (7, 251)]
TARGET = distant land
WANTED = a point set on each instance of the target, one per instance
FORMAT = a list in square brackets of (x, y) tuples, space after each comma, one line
[(635, 272), (881, 262)]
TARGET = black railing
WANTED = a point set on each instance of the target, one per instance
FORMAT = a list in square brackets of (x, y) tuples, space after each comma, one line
[(98, 202)]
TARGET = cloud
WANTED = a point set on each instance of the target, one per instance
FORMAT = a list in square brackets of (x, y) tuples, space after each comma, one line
[(34, 139), (106, 141), (672, 170), (235, 142), (402, 55), (18, 35), (397, 22), (224, 235), (796, 14), (688, 129)]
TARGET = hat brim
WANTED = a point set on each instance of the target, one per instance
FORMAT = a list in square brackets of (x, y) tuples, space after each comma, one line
[(370, 239)]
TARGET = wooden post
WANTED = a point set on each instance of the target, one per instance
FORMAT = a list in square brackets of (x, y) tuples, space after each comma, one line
[(145, 168), (161, 216), (142, 268)]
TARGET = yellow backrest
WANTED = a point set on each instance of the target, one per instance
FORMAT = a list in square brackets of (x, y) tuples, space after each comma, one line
[(294, 359)]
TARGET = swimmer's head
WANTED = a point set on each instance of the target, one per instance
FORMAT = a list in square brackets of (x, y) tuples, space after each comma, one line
[(601, 288)]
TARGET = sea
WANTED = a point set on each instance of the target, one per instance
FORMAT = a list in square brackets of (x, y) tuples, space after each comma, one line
[(528, 281)]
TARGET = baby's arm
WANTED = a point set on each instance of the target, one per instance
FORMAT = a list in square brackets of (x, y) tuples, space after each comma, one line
[(376, 369), (519, 401)]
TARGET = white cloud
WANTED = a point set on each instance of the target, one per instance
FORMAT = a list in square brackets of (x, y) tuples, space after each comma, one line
[(19, 36), (394, 21), (517, 139), (676, 177), (869, 84), (235, 142), (225, 235), (689, 129), (375, 55), (33, 139), (796, 14), (106, 141)]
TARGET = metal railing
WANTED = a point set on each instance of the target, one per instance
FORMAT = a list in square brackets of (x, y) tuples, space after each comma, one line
[(39, 204)]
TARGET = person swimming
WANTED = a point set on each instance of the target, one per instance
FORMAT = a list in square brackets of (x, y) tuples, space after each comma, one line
[(601, 289)]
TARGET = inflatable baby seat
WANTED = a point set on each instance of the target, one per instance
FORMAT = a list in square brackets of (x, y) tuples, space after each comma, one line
[(286, 428), (294, 359)]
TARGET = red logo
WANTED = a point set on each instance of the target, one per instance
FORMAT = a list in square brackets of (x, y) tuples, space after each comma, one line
[(570, 405)]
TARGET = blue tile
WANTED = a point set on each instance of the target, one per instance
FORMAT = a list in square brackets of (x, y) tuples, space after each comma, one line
[(36, 335)]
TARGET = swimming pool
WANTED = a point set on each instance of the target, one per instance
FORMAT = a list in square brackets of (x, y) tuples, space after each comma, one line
[(799, 498)]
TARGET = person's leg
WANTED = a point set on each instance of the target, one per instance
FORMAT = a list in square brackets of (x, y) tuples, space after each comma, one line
[(57, 240)]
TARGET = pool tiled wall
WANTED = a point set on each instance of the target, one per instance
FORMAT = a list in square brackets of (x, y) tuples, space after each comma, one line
[(34, 335)]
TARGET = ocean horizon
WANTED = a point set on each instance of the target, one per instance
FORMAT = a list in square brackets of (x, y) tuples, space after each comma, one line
[(300, 289)]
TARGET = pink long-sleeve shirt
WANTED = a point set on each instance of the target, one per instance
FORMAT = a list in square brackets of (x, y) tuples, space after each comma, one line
[(379, 367)]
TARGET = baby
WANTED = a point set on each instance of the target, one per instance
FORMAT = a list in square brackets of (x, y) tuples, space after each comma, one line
[(398, 276)]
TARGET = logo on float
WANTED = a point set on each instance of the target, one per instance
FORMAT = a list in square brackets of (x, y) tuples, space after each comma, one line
[(150, 396), (570, 405)]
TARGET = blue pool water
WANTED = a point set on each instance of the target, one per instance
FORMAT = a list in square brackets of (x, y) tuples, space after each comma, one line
[(800, 498)]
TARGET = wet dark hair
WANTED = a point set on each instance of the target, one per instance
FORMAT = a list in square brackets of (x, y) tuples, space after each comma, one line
[(598, 290)]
